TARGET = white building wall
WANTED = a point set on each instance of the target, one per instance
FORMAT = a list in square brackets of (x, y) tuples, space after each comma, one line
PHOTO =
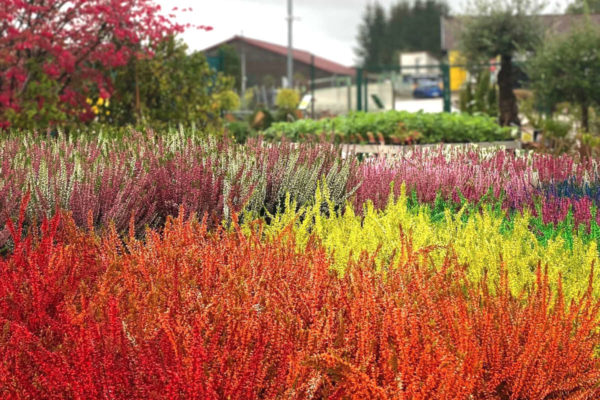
[(414, 62)]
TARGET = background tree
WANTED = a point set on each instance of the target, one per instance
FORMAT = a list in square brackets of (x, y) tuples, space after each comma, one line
[(171, 87), (406, 27), (579, 7), (56, 53), (399, 26), (423, 17), (567, 68), (504, 28), (373, 48)]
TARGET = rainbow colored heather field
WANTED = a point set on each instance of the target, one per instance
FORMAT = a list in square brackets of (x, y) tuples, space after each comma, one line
[(175, 267)]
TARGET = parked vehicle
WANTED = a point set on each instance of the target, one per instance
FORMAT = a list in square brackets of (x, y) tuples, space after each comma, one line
[(427, 91)]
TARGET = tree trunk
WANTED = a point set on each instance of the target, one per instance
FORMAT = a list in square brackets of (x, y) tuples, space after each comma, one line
[(585, 118), (507, 102)]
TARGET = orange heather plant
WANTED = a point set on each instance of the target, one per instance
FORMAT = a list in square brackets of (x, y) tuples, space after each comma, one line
[(189, 313)]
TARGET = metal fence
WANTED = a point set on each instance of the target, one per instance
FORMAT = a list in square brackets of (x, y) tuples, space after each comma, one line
[(397, 87)]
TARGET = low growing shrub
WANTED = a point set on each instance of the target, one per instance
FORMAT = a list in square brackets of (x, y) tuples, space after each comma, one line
[(394, 127)]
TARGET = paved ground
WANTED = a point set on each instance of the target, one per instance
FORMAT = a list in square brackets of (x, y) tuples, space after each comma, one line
[(414, 105)]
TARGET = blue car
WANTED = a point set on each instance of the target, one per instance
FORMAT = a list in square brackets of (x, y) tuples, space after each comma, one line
[(427, 92)]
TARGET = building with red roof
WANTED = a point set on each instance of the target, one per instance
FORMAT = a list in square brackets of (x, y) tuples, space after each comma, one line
[(266, 63)]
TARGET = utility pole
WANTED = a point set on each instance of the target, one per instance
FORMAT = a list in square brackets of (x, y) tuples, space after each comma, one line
[(312, 86), (290, 57), (243, 77)]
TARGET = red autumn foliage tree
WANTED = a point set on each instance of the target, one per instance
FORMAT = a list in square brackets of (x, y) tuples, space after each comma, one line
[(55, 53)]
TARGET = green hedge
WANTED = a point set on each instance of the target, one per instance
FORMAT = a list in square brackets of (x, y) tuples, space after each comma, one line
[(393, 127)]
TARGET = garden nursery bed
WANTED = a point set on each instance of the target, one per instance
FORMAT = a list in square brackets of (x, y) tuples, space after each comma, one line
[(181, 267), (392, 127)]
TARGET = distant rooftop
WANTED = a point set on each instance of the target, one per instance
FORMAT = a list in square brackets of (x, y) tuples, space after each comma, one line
[(299, 55)]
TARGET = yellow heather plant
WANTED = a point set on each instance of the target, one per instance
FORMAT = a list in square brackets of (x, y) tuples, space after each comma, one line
[(477, 240)]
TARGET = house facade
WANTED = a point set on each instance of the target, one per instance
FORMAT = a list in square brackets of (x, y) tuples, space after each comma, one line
[(418, 63)]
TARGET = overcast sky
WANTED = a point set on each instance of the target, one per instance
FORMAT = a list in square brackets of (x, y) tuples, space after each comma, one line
[(327, 28)]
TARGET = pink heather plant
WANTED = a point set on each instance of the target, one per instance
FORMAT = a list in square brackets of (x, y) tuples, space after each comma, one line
[(470, 174)]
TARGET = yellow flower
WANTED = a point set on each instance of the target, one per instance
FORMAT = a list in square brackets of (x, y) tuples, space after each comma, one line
[(107, 112), (89, 101), (95, 110), (100, 101)]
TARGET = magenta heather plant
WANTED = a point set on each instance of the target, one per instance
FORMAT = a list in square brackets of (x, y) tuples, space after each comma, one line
[(193, 185), (469, 175), (115, 194)]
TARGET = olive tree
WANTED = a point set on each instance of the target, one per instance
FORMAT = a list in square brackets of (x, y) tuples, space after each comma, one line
[(504, 28)]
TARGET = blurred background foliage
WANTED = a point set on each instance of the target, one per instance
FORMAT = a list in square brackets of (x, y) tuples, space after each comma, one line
[(173, 87)]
